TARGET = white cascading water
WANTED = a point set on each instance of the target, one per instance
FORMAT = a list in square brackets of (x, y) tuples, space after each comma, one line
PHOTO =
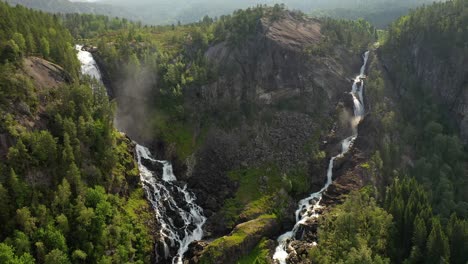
[(307, 208), (88, 64), (180, 219)]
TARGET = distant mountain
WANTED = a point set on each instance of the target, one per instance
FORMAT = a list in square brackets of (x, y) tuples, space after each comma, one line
[(379, 12), (65, 6)]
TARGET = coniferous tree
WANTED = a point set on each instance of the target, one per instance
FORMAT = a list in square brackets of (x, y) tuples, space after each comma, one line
[(438, 250)]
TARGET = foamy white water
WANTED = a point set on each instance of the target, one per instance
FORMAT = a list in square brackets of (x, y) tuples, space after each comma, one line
[(308, 207), (171, 203), (88, 64)]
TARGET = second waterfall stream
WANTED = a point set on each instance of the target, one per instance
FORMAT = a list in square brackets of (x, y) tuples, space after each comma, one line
[(307, 207), (179, 219)]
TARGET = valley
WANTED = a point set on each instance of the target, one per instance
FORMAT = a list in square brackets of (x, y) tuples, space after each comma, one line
[(246, 138)]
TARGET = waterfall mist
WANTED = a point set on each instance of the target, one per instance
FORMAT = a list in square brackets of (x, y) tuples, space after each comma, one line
[(133, 93)]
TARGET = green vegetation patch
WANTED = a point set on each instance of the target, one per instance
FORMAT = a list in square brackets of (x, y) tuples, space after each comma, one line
[(258, 255), (254, 195), (356, 231), (235, 244), (141, 215), (263, 190), (175, 132), (256, 182)]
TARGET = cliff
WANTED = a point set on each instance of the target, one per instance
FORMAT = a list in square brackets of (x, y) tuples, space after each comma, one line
[(273, 66)]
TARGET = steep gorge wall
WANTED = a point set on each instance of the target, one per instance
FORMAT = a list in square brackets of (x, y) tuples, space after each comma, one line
[(285, 100)]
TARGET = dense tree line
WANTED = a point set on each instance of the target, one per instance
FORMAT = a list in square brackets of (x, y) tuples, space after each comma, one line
[(85, 26), (357, 231), (401, 229), (445, 33), (162, 12), (419, 154), (379, 13), (355, 35), (68, 180)]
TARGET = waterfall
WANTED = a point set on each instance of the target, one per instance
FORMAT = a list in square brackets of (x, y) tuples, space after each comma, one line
[(88, 64), (307, 207), (180, 220)]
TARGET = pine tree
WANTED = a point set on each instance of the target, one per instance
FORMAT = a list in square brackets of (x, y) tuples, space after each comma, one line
[(438, 250), (62, 196), (18, 156), (67, 153), (25, 220), (5, 206), (17, 189), (20, 41), (457, 231), (419, 241), (45, 47), (56, 256)]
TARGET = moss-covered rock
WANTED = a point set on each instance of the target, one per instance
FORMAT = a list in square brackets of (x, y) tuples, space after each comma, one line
[(242, 240)]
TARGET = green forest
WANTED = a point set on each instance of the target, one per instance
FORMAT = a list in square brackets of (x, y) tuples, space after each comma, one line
[(69, 184)]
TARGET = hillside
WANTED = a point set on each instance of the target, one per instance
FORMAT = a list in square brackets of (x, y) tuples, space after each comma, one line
[(433, 58), (68, 182)]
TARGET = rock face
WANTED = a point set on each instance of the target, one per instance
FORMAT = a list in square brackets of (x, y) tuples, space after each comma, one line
[(45, 74), (276, 99), (445, 78), (273, 66)]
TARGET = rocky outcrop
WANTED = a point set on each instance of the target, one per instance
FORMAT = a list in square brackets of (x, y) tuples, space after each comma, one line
[(45, 76), (272, 66)]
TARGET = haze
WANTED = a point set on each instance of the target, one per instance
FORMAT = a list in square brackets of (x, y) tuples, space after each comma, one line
[(380, 12)]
